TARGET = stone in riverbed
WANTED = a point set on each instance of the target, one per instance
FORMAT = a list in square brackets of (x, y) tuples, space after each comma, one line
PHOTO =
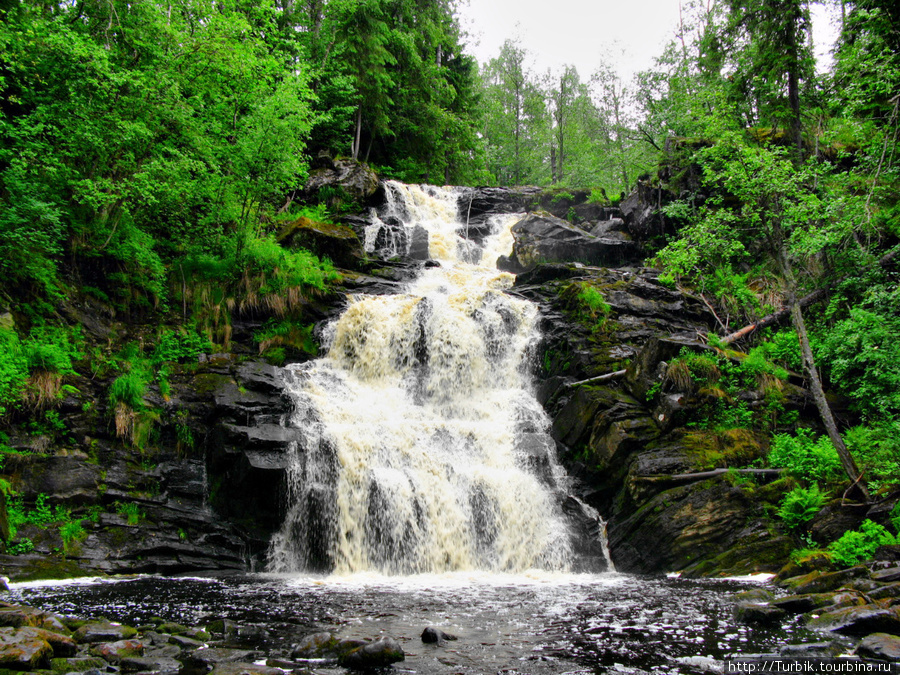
[(238, 668), (217, 655), (378, 654), (858, 620), (77, 664), (114, 652), (149, 664), (21, 615), (103, 632), (23, 650), (434, 635), (880, 646), (890, 574), (62, 645), (754, 612)]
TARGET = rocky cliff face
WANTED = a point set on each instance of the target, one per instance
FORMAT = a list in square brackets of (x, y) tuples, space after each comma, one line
[(209, 494)]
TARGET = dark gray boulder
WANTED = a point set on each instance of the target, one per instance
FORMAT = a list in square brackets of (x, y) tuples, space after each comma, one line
[(541, 238)]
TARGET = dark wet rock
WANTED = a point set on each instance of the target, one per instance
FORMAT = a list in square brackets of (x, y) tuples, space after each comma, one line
[(541, 238), (754, 595), (116, 651), (211, 656), (150, 664), (62, 645), (819, 582), (887, 575), (801, 604), (858, 620), (432, 635), (185, 642), (22, 650), (337, 242), (172, 628), (103, 632), (22, 615), (758, 613), (880, 646), (77, 664), (890, 552), (641, 211), (378, 654), (244, 669), (813, 650), (885, 591), (346, 181)]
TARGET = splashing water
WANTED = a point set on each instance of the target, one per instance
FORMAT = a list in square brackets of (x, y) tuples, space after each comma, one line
[(423, 449)]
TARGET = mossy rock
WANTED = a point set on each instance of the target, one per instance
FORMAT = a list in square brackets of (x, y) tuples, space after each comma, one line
[(339, 243), (729, 447)]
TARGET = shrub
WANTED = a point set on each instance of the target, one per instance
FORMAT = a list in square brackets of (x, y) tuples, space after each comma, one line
[(856, 545), (805, 456), (13, 369), (800, 505), (181, 344), (876, 447)]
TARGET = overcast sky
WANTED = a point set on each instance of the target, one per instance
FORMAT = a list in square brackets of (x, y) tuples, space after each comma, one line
[(577, 32)]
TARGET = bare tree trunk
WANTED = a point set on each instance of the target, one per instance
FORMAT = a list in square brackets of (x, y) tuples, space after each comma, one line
[(356, 136), (815, 383)]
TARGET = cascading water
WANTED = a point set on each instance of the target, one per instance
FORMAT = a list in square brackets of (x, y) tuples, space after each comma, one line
[(422, 448)]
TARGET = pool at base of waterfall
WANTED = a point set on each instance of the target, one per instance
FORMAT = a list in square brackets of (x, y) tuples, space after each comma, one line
[(536, 622)]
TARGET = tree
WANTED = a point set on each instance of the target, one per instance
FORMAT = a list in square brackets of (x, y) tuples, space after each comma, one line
[(762, 202)]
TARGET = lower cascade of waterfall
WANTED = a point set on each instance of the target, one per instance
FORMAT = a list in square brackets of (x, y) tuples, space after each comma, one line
[(422, 447)]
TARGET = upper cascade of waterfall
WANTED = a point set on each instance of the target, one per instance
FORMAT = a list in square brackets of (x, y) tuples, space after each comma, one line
[(423, 448)]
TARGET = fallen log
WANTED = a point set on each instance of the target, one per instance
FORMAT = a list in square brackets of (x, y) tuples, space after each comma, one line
[(703, 475), (805, 301), (600, 378)]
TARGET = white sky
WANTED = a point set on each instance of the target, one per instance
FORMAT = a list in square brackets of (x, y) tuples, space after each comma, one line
[(577, 32)]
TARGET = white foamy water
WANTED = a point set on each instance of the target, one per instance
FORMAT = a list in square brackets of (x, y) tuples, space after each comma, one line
[(424, 450)]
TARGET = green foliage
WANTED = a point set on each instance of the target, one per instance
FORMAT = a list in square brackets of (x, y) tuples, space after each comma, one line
[(863, 354), (131, 511), (13, 369), (71, 532), (857, 545), (800, 505), (180, 345), (130, 388), (876, 447), (805, 456)]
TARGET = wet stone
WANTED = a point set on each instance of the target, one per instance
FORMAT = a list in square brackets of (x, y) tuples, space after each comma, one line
[(185, 642), (314, 646), (62, 645), (752, 612), (378, 654), (77, 664), (114, 652), (858, 620), (888, 575), (103, 632), (23, 651), (147, 664), (432, 635), (880, 646), (812, 650), (238, 668), (216, 655)]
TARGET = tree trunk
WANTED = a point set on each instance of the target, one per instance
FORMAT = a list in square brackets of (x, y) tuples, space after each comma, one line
[(356, 136), (815, 384)]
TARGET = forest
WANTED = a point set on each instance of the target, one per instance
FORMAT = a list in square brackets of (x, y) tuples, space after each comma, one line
[(150, 152)]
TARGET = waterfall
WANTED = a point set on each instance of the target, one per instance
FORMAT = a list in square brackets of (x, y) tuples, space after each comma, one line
[(422, 446)]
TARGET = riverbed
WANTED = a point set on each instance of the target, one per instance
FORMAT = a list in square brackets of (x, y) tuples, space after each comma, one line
[(536, 622)]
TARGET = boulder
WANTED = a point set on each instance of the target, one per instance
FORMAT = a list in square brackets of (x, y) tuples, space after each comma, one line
[(334, 241), (880, 646), (237, 668), (103, 632), (114, 652), (340, 182), (212, 656), (887, 575), (819, 582), (21, 650), (378, 654), (432, 635), (62, 645), (150, 664), (757, 613), (858, 620), (541, 238)]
